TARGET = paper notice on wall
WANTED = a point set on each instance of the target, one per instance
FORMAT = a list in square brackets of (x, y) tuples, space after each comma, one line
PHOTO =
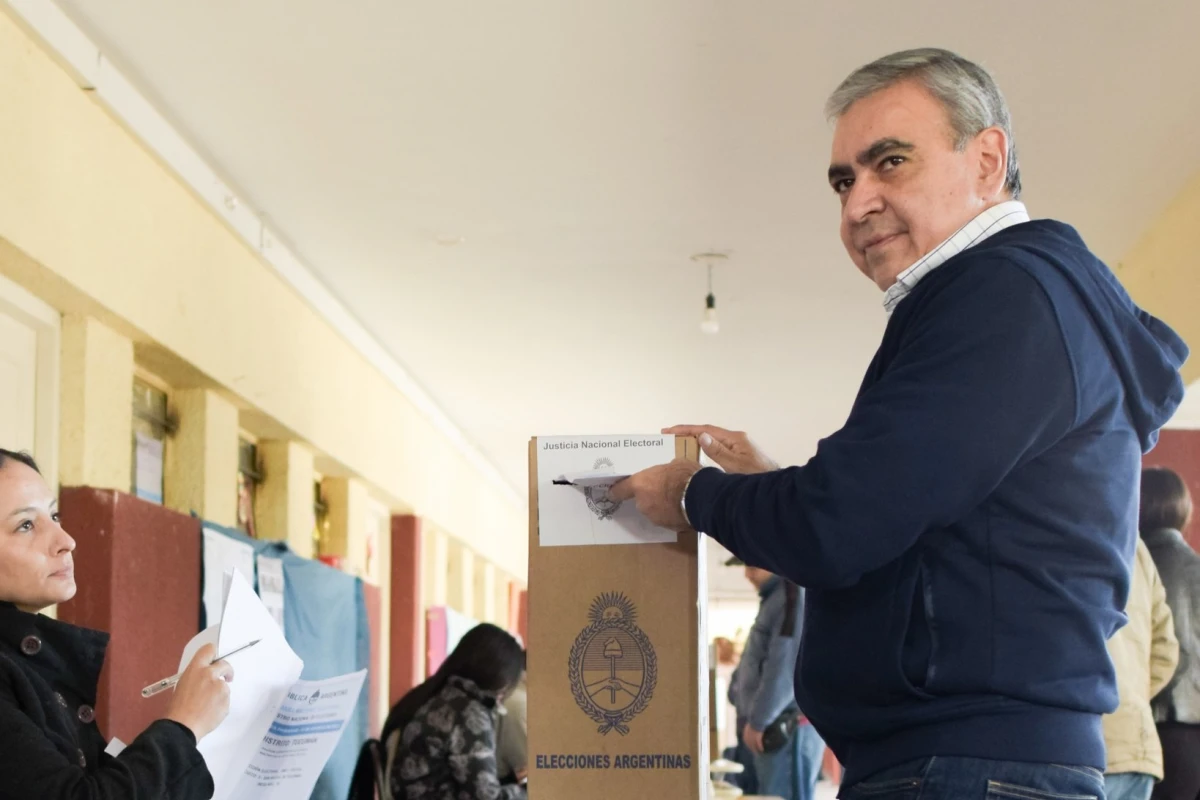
[(148, 456), (301, 739), (574, 474), (222, 554), (270, 586), (457, 626), (263, 675), (280, 731)]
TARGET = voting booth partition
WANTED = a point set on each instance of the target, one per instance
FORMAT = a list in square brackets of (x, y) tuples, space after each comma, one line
[(140, 573), (137, 569), (617, 672), (325, 621)]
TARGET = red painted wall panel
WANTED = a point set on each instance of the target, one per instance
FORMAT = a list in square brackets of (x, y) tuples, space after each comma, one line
[(406, 666), (523, 615), (437, 638), (137, 566), (373, 599), (1180, 451)]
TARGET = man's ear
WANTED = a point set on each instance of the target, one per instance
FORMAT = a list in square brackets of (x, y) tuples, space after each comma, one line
[(991, 156)]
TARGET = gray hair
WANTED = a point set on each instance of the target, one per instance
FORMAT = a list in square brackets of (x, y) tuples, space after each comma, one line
[(968, 92)]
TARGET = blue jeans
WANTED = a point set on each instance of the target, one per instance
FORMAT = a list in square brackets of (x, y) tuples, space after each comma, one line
[(748, 780), (1129, 786), (952, 778), (791, 772)]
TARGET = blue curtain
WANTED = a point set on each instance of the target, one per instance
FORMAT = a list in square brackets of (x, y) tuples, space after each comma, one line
[(325, 622)]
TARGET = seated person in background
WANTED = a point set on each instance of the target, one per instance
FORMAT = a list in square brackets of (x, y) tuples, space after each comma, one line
[(441, 736), (512, 745), (51, 745)]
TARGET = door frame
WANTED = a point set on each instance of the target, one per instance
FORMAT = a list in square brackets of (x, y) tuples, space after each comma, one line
[(20, 304)]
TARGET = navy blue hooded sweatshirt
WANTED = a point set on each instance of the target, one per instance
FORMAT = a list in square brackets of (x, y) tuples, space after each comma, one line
[(967, 536)]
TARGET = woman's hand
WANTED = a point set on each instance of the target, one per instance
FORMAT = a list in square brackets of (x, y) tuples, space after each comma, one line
[(201, 698)]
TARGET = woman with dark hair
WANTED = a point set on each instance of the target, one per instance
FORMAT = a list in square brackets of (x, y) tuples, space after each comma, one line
[(441, 736), (1165, 512), (49, 670)]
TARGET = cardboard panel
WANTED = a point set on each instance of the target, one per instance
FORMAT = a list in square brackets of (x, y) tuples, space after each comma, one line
[(590, 609)]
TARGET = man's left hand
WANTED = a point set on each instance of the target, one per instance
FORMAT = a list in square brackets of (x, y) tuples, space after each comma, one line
[(658, 492)]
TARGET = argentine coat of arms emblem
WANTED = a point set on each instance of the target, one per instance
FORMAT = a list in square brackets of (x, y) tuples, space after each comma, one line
[(598, 500), (612, 667)]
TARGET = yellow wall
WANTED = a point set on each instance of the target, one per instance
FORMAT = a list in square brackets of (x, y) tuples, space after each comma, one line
[(1162, 271), (89, 221), (97, 391)]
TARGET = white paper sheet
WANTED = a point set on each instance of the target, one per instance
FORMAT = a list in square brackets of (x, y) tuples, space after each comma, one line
[(148, 468), (583, 513), (270, 586), (263, 675), (457, 626), (222, 554), (301, 739)]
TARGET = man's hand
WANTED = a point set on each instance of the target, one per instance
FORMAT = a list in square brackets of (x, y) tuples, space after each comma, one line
[(753, 739), (658, 492), (731, 450)]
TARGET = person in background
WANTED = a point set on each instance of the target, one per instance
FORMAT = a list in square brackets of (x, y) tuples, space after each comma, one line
[(966, 538), (1165, 513), (512, 732), (726, 656), (747, 780), (1145, 653), (441, 736), (763, 695), (50, 745)]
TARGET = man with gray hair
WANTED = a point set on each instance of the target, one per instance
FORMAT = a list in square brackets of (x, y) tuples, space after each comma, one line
[(966, 538)]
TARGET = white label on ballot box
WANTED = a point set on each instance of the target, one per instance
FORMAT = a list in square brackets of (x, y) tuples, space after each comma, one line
[(574, 474)]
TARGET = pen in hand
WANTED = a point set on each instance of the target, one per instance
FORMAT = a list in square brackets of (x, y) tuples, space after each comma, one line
[(167, 683)]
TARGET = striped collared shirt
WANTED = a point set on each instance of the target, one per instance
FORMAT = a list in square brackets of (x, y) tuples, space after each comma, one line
[(990, 222)]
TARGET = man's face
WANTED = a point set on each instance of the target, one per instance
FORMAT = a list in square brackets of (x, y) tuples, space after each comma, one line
[(904, 188)]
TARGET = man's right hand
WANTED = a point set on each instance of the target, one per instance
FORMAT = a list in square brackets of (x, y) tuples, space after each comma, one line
[(731, 450), (201, 699), (753, 739)]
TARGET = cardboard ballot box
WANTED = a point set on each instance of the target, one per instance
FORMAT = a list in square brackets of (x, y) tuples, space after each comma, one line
[(618, 673)]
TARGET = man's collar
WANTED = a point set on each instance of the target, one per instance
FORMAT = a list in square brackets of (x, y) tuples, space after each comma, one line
[(987, 223)]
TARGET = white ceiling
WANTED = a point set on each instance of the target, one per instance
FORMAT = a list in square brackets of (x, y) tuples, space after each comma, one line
[(583, 151)]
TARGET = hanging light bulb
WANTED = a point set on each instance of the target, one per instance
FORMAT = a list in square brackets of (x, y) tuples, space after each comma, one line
[(709, 323)]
